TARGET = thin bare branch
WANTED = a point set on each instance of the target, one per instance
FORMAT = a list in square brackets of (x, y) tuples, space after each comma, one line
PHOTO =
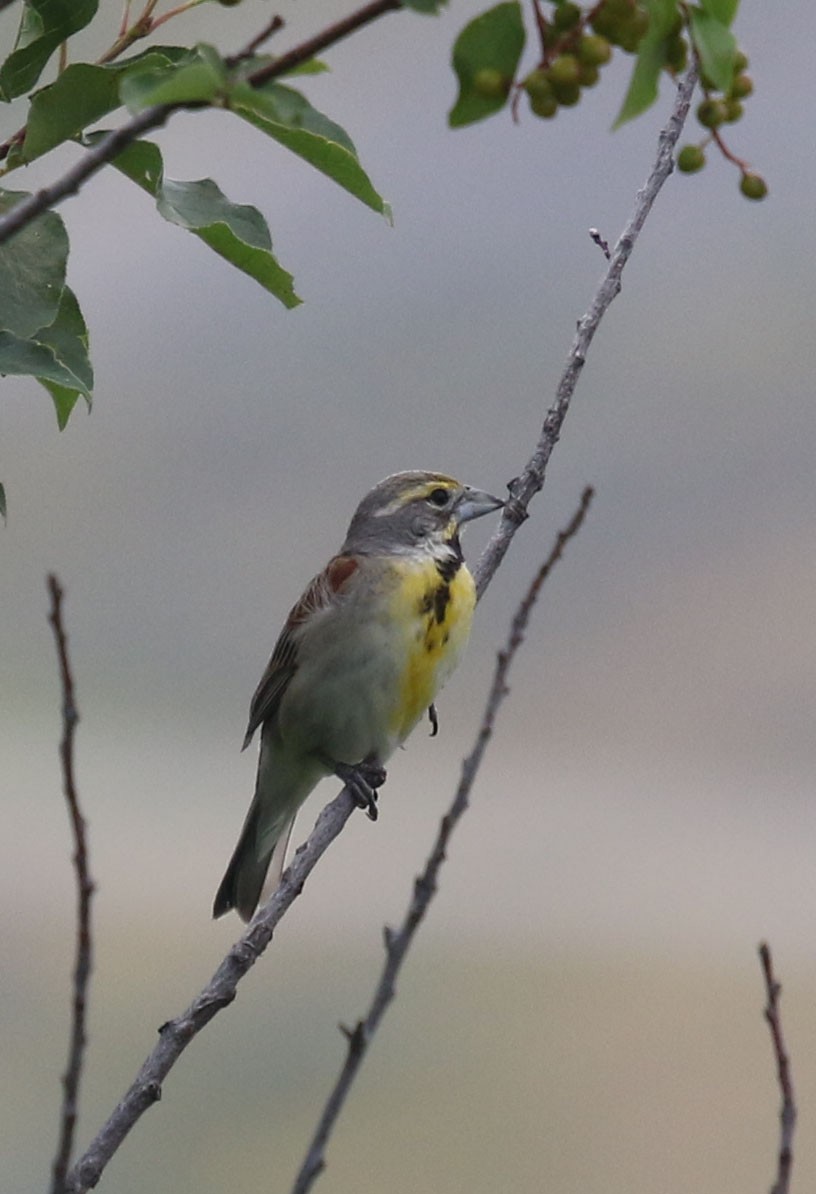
[(328, 37), (787, 1112), (85, 889), (176, 1034), (398, 942), (531, 479), (221, 989), (273, 26), (152, 118)]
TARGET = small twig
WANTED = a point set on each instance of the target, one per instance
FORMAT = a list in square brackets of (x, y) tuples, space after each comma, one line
[(85, 890), (787, 1113), (327, 37), (729, 156), (398, 942), (272, 27), (123, 26), (603, 245)]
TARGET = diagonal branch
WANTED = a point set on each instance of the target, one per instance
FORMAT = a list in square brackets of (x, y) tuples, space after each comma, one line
[(85, 890), (398, 943), (221, 989), (114, 142), (531, 479), (787, 1112)]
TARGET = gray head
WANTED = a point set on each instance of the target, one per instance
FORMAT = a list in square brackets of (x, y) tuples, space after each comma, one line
[(412, 509)]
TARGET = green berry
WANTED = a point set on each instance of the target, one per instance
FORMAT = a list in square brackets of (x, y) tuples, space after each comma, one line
[(566, 16), (690, 159), (733, 110), (544, 106), (740, 62), (537, 84), (632, 32), (618, 10), (491, 83), (594, 50), (563, 71), (753, 186), (588, 76), (742, 86), (567, 94), (640, 21), (711, 113)]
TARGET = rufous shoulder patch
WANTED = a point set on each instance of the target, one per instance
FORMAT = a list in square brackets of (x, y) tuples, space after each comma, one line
[(339, 570)]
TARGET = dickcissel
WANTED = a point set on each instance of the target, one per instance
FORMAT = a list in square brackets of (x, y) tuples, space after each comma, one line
[(362, 655)]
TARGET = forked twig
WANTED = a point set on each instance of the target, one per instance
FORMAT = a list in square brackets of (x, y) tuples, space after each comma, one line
[(398, 942), (85, 889), (787, 1111)]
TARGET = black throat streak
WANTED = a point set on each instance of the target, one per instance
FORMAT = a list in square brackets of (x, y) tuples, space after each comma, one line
[(436, 601), (450, 565)]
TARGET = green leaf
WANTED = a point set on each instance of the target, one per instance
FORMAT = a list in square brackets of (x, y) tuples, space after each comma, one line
[(45, 24), (198, 78), (57, 356), (237, 232), (492, 42), (81, 95), (642, 90), (67, 337), (289, 118), (28, 357), (716, 46), (723, 11), (31, 27), (32, 271), (64, 399), (315, 66)]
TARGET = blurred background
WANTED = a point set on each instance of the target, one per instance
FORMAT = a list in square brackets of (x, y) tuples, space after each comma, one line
[(582, 1011)]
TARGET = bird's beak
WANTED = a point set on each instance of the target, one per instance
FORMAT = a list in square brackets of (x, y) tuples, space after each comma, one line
[(474, 503)]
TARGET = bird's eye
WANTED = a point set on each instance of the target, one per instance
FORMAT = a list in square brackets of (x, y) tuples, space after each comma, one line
[(438, 497)]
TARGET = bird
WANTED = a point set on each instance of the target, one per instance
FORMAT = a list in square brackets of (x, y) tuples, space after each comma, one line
[(360, 659)]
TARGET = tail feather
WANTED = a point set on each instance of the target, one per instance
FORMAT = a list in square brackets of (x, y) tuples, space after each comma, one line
[(246, 873), (283, 783)]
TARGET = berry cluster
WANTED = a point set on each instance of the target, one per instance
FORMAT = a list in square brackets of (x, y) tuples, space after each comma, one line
[(575, 45), (715, 110), (559, 83)]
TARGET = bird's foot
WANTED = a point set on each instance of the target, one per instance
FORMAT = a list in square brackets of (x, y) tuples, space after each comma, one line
[(362, 781)]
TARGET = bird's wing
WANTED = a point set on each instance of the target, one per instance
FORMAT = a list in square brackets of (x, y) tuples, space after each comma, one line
[(319, 594)]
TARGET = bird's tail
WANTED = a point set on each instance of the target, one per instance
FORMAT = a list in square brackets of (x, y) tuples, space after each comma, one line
[(252, 866)]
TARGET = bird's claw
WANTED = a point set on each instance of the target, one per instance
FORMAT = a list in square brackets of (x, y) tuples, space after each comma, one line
[(362, 781)]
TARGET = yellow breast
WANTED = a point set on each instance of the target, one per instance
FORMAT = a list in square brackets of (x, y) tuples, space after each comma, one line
[(436, 615)]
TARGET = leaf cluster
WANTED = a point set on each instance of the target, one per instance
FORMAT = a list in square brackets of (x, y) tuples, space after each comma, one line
[(574, 43), (42, 331)]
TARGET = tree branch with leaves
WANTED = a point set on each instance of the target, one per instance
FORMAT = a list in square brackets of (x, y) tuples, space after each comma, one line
[(42, 330)]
